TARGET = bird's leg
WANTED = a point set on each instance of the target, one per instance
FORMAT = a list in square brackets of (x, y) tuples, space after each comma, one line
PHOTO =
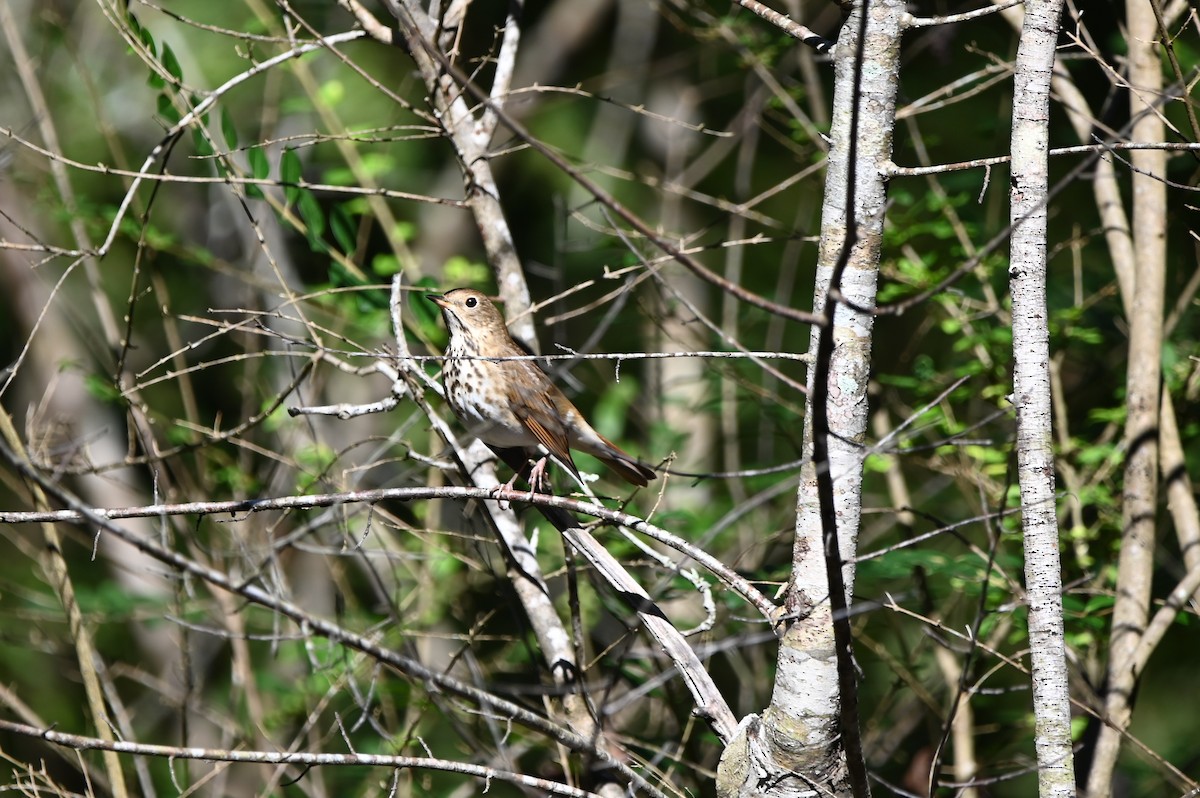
[(496, 491), (536, 478), (537, 475), (515, 459), (521, 465)]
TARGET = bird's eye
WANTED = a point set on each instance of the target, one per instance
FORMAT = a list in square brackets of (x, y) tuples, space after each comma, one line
[(471, 302)]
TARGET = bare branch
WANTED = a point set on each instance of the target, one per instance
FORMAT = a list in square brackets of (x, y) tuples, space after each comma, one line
[(81, 743)]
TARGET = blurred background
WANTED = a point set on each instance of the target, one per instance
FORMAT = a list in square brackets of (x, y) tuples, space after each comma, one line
[(248, 272)]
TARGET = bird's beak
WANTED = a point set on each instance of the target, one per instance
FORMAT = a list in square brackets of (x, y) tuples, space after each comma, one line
[(438, 300)]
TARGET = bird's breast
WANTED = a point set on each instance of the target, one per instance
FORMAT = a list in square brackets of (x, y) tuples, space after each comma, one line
[(476, 392)]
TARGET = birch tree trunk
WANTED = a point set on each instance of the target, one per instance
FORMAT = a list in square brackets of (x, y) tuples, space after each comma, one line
[(811, 727), (1031, 384), (1135, 566)]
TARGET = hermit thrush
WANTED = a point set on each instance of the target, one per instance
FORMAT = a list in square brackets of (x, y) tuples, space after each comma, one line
[(512, 404)]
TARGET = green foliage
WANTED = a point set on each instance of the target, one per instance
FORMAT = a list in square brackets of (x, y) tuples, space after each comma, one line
[(201, 143), (385, 265), (110, 601), (231, 480), (1108, 415), (461, 272), (314, 220), (260, 169), (612, 409), (224, 309), (332, 92), (372, 164), (314, 461), (290, 175), (102, 389), (171, 63), (167, 111), (425, 315), (229, 129)]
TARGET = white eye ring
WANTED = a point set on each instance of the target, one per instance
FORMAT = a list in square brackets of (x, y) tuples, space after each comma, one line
[(471, 302)]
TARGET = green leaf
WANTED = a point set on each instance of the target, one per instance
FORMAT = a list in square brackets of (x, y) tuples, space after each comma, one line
[(461, 271), (342, 227), (360, 305), (147, 38), (277, 419), (179, 435), (1094, 455), (877, 464), (1108, 415), (339, 177), (295, 105), (404, 231), (1170, 356), (110, 600), (950, 326), (986, 454), (259, 169), (228, 129), (203, 146), (316, 457), (925, 369), (444, 565), (378, 163), (314, 461), (259, 166), (167, 110), (341, 277), (385, 265), (291, 173), (899, 564), (331, 92), (314, 220), (100, 388), (171, 63), (234, 480)]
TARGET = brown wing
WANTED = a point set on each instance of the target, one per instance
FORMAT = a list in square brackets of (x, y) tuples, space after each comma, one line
[(547, 413), (534, 407)]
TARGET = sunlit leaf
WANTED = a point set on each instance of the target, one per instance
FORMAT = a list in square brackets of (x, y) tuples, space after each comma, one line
[(291, 173)]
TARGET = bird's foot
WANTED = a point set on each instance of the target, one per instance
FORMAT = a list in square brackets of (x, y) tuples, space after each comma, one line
[(496, 491), (537, 476)]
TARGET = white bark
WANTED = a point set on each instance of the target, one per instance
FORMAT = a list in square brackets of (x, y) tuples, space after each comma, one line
[(1135, 567), (803, 731), (1031, 383)]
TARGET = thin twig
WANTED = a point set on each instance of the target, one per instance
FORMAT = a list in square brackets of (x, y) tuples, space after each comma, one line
[(295, 502), (81, 743), (789, 26)]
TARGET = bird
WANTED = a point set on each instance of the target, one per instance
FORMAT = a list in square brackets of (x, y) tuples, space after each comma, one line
[(511, 405)]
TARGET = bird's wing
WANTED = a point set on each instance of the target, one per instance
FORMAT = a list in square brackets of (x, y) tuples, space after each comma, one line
[(537, 413)]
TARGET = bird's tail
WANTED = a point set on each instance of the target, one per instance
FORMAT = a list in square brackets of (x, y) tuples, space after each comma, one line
[(624, 465)]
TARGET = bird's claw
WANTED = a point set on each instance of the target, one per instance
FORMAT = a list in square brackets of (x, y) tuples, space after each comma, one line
[(536, 476), (496, 491)]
